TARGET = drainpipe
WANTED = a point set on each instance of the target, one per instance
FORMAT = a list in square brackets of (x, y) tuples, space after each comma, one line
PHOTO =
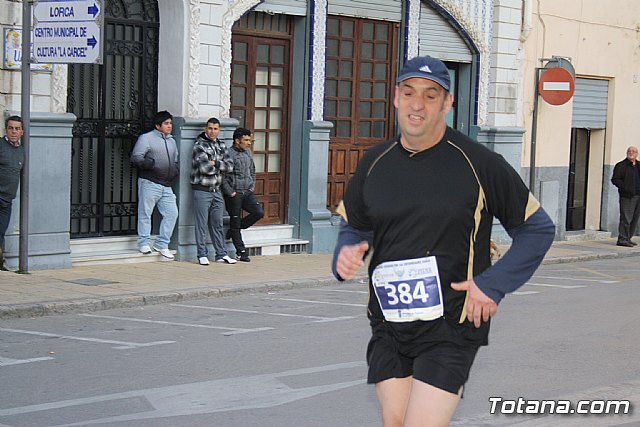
[(527, 17)]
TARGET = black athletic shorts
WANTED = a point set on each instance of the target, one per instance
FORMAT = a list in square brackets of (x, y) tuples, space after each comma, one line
[(442, 364)]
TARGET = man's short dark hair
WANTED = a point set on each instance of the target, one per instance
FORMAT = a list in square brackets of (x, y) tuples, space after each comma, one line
[(12, 119), (240, 132), (213, 120), (161, 116)]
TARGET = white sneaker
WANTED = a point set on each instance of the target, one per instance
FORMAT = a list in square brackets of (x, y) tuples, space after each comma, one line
[(145, 249), (203, 260), (164, 252), (227, 259)]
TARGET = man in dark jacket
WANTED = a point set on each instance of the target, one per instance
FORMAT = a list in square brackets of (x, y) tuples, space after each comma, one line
[(626, 176), (11, 161), (238, 188), (156, 157)]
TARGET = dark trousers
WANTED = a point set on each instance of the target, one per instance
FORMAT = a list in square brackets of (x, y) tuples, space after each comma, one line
[(629, 215), (243, 200), (5, 217)]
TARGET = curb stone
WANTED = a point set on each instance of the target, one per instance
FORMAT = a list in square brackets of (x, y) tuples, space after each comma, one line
[(131, 301)]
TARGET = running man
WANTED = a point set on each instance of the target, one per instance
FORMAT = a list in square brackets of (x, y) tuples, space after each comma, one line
[(425, 203)]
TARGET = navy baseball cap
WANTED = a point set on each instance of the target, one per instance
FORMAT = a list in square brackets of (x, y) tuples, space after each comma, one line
[(426, 67)]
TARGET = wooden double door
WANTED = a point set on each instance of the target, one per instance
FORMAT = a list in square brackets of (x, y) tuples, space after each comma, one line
[(260, 81), (360, 76)]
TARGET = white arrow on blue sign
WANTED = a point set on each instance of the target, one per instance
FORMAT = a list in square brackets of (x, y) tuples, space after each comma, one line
[(68, 31)]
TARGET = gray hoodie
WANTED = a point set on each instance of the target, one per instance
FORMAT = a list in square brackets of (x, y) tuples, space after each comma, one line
[(156, 157)]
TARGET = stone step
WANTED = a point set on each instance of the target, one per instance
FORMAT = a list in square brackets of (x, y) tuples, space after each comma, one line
[(259, 240), (267, 232), (117, 257), (83, 247)]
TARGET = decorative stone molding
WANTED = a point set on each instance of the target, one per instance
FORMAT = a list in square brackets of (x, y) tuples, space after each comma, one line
[(413, 36), (235, 11), (319, 45), (59, 88), (194, 59), (478, 25)]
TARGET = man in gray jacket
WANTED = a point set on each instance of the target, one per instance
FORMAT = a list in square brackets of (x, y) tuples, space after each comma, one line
[(156, 157), (238, 187)]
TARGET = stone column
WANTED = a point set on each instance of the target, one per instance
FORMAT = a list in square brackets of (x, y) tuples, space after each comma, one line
[(315, 218), (49, 195)]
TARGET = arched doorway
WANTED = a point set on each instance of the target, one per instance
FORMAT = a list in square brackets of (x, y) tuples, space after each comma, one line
[(113, 103)]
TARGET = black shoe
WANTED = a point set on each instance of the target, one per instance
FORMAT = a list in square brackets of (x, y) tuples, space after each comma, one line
[(244, 256), (2, 267), (625, 243), (633, 243)]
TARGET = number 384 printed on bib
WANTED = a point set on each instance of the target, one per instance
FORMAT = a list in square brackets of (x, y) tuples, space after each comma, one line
[(409, 290)]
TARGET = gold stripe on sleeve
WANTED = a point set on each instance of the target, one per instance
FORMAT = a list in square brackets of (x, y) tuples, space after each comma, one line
[(472, 247), (341, 210), (532, 206)]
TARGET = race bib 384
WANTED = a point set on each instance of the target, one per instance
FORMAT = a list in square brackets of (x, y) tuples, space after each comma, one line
[(409, 290)]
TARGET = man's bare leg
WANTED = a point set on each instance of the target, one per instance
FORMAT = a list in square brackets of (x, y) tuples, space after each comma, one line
[(393, 395), (430, 406)]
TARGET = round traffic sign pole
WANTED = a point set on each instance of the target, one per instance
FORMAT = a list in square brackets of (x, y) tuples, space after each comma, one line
[(556, 86)]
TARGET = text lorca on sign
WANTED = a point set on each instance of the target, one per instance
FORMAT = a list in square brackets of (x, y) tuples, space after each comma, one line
[(64, 11)]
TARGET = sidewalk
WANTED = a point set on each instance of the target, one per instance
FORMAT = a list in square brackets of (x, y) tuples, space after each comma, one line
[(84, 289)]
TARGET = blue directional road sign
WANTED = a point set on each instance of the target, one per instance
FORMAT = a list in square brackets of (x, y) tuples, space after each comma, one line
[(68, 31)]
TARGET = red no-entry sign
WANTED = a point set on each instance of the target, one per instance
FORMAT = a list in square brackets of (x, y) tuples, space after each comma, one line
[(556, 85)]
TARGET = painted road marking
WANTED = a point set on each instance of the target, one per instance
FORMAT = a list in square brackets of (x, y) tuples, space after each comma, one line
[(578, 279), (555, 286), (317, 319), (340, 290), (119, 345), (5, 361), (318, 302), (231, 331), (524, 292), (207, 397)]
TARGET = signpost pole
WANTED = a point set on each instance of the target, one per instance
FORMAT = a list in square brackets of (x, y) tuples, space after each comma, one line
[(25, 113), (534, 135)]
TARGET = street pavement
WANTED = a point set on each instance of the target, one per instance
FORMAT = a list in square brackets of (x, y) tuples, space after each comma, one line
[(102, 287)]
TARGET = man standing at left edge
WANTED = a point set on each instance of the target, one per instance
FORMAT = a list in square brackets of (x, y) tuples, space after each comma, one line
[(156, 157), (11, 161)]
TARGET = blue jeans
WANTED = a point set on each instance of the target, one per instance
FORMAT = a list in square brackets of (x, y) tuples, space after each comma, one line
[(151, 195), (208, 207), (5, 217)]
